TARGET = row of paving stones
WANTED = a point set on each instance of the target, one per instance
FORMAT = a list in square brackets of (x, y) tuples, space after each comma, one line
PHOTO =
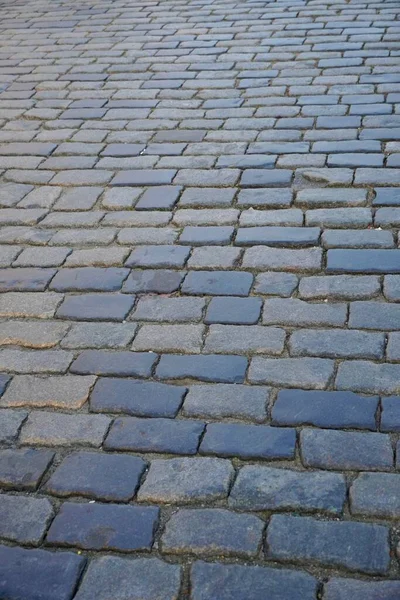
[(111, 576), (14, 195), (325, 409), (304, 371)]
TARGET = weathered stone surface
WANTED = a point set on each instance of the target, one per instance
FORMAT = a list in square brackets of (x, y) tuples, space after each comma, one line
[(376, 495), (23, 468), (186, 480), (66, 391), (341, 589), (24, 519), (353, 546), (233, 582), (221, 401), (265, 488), (212, 532), (97, 475), (104, 526), (38, 573), (128, 579)]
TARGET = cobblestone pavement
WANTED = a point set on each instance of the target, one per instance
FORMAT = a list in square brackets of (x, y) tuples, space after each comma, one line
[(200, 317)]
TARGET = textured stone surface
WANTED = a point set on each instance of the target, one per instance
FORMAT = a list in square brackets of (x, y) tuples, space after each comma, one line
[(200, 296)]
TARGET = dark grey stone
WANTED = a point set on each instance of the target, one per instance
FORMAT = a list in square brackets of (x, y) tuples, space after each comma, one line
[(356, 238), (23, 468), (104, 362), (144, 177), (186, 480), (333, 410), (295, 312), (157, 281), (278, 236), (368, 377), (206, 367), (227, 400), (390, 416), (97, 475), (273, 197), (346, 450), (363, 261), (96, 307), (155, 435), (376, 495), (218, 283), (104, 526), (387, 197), (276, 284), (158, 256), (212, 531), (240, 311), (341, 343), (265, 178), (375, 315), (248, 441), (265, 488), (4, 380), (89, 278), (204, 236), (236, 582), (339, 287), (25, 279), (139, 398), (37, 574), (353, 546), (126, 579), (24, 519), (343, 589), (10, 424)]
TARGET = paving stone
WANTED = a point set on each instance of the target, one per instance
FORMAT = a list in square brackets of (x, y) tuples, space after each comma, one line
[(340, 589), (63, 391), (307, 373), (4, 381), (371, 378), (169, 338), (42, 257), (187, 480), (374, 315), (159, 198), (169, 309), (339, 344), (134, 397), (277, 236), (339, 287), (24, 519), (285, 217), (353, 546), (155, 435), (24, 468), (241, 311), (38, 573), (203, 236), (363, 261), (332, 197), (144, 177), (55, 429), (89, 278), (157, 281), (12, 193), (386, 196), (292, 311), (355, 238), (391, 287), (103, 362), (41, 361), (218, 283), (221, 401), (345, 450), (269, 197), (103, 476), (10, 424), (233, 339), (126, 579), (276, 284), (232, 582), (261, 488), (206, 197), (99, 335), (96, 307), (104, 526), (276, 259), (390, 416), (212, 532), (376, 495), (33, 280), (248, 441), (158, 256), (265, 178), (209, 367), (333, 410)]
